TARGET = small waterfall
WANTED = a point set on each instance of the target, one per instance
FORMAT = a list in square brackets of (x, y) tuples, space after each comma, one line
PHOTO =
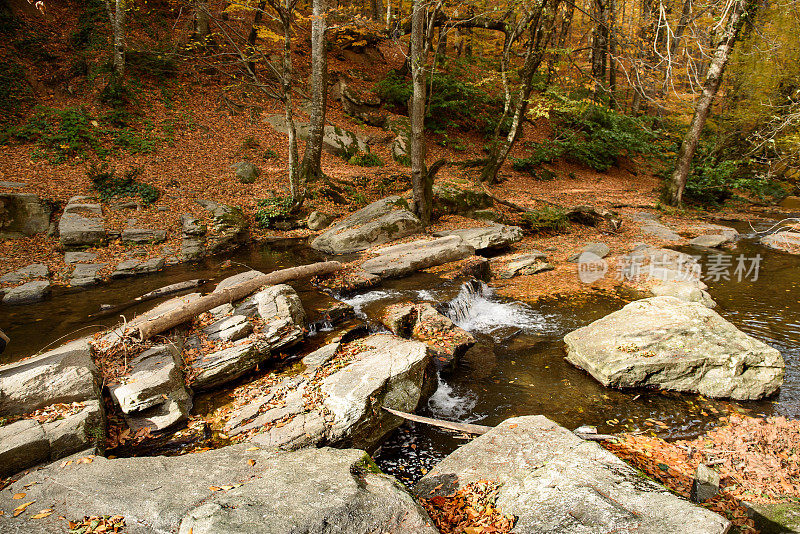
[(445, 403), (476, 309)]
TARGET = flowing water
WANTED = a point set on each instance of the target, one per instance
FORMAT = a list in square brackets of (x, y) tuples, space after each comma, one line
[(517, 366)]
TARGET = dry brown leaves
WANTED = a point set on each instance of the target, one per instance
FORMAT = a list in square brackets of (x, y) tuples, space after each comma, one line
[(471, 510), (97, 524), (756, 459)]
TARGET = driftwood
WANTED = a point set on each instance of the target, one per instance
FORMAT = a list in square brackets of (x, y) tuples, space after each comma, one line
[(161, 323), (450, 425), (171, 289)]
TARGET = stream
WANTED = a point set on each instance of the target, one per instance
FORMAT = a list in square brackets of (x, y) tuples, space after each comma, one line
[(517, 366)]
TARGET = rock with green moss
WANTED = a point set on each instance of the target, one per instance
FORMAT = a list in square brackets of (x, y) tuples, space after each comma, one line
[(335, 140), (23, 214), (229, 228), (777, 518), (450, 199), (245, 172), (378, 223)]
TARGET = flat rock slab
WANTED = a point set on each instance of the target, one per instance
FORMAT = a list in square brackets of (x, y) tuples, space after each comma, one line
[(494, 236), (525, 264), (686, 291), (555, 482), (143, 235), (35, 270), (135, 267), (668, 343), (401, 260), (79, 257), (26, 293), (710, 240), (154, 375), (783, 241), (63, 375), (314, 490), (27, 442), (219, 367), (77, 231), (661, 231), (86, 274), (378, 223), (592, 251)]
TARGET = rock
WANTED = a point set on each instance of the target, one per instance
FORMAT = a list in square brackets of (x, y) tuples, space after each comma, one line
[(229, 228), (192, 226), (231, 328), (591, 216), (555, 482), (135, 267), (686, 291), (22, 445), (143, 235), (63, 375), (399, 149), (424, 323), (313, 491), (661, 231), (378, 223), (661, 265), (155, 373), (335, 140), (318, 221), (705, 484), (225, 365), (600, 250), (245, 172), (320, 356), (79, 206), (526, 264), (77, 231), (777, 518), (284, 318), (23, 214), (708, 229), (12, 185), (710, 241), (79, 257), (670, 344), (76, 432), (193, 242), (450, 199), (783, 241), (36, 270), (487, 215), (86, 274), (27, 293), (401, 260), (173, 410), (495, 236)]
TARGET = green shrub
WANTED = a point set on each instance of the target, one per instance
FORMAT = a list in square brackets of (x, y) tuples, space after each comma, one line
[(542, 153), (109, 186), (15, 93), (365, 159), (273, 209), (546, 219), (269, 154), (89, 33)]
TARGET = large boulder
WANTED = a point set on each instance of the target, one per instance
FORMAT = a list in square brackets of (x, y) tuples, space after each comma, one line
[(407, 258), (236, 490), (451, 199), (23, 214), (783, 241), (26, 293), (555, 482), (378, 223), (668, 343), (335, 140), (494, 236), (229, 227), (63, 375)]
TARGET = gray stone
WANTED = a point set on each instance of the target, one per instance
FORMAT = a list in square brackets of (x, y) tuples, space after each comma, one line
[(378, 223), (487, 215), (192, 248), (283, 314), (320, 356), (12, 185), (495, 236), (174, 409), (77, 231), (705, 484), (645, 217), (237, 279), (661, 231), (219, 367), (324, 491), (86, 274), (77, 206), (154, 374), (399, 148), (23, 214), (335, 140), (27, 293), (686, 291), (555, 482), (667, 343), (35, 270), (401, 260), (245, 172), (231, 328), (22, 445), (711, 241), (526, 264), (192, 226), (731, 234), (783, 241), (661, 265), (143, 235), (600, 250), (134, 267), (79, 257), (777, 518), (66, 374), (229, 228), (318, 221), (450, 199)]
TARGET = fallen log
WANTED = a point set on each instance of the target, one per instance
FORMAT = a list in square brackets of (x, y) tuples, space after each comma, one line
[(161, 323), (449, 425), (171, 289)]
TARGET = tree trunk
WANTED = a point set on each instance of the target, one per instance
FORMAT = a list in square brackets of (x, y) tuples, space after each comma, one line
[(202, 19), (148, 327), (116, 16), (612, 52), (377, 7), (712, 83), (421, 186), (600, 46), (294, 175), (251, 38), (311, 168)]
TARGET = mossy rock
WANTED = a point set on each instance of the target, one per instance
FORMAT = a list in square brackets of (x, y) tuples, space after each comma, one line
[(450, 199)]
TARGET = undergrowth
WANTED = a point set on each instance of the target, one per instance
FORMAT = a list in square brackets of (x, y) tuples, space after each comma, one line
[(110, 186), (273, 209)]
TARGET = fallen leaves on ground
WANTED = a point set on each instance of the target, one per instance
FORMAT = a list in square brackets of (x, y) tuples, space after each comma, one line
[(21, 508), (97, 524), (756, 459), (471, 510)]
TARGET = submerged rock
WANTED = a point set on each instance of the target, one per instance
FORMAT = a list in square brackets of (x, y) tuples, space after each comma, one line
[(555, 482), (378, 223), (401, 260), (313, 490), (494, 236), (671, 344)]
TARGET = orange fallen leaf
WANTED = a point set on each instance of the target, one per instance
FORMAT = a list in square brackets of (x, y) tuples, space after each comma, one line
[(21, 508), (214, 488), (19, 495), (513, 426), (43, 513), (251, 462)]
